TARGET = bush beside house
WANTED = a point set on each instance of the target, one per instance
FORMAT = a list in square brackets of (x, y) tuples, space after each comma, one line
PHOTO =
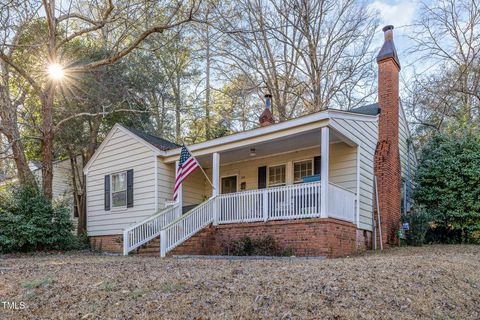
[(448, 188), (29, 221)]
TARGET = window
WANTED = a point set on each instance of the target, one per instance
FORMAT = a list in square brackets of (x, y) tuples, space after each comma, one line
[(301, 170), (276, 175), (119, 189)]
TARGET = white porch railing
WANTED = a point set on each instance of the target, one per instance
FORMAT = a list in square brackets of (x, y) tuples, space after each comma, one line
[(186, 226), (283, 203), (341, 203), (279, 203), (142, 232)]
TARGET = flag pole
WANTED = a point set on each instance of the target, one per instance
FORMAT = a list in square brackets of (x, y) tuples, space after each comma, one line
[(208, 179)]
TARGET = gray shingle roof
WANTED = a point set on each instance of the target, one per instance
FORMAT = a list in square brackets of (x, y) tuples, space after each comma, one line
[(370, 109), (158, 142)]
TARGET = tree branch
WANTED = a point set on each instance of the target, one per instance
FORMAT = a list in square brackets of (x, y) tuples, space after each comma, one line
[(89, 114), (96, 24), (137, 42), (21, 72)]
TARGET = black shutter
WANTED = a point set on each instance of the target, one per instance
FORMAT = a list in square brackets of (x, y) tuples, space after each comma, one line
[(317, 164), (107, 193), (262, 177), (130, 188)]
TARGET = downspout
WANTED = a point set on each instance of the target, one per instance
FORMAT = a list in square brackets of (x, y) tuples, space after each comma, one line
[(408, 184)]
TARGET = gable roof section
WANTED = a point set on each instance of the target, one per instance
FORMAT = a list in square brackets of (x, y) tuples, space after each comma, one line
[(151, 142), (157, 142)]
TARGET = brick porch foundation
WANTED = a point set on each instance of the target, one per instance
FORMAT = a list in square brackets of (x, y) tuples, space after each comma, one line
[(109, 243), (306, 237)]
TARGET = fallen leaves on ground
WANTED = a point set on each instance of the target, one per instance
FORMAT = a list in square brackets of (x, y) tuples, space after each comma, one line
[(435, 282)]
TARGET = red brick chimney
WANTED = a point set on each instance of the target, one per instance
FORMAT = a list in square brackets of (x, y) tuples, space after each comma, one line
[(266, 118), (387, 155)]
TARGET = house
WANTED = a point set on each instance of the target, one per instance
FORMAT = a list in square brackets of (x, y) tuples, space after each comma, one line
[(62, 184), (307, 182), (62, 190)]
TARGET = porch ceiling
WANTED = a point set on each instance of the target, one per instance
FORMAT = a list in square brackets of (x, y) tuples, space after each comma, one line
[(289, 143)]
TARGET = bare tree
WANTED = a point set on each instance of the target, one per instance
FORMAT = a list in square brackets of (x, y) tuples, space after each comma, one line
[(64, 26), (310, 55), (447, 92), (9, 101), (261, 50)]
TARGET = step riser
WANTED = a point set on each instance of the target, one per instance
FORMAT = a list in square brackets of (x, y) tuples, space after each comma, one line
[(150, 249)]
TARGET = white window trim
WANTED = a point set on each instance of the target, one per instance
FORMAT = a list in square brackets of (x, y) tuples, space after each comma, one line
[(297, 161), (268, 175), (122, 208)]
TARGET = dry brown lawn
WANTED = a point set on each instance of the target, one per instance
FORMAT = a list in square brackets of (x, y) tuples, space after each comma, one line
[(432, 282)]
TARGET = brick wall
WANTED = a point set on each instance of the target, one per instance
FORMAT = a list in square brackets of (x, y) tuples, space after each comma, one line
[(110, 243), (306, 237), (387, 155)]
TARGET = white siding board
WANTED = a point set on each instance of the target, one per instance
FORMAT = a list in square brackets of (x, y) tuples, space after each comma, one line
[(122, 152), (166, 179), (366, 132)]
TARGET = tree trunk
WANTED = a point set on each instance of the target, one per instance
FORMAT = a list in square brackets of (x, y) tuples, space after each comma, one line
[(162, 117), (25, 175), (207, 85), (47, 105), (178, 107), (47, 146), (79, 193), (9, 127)]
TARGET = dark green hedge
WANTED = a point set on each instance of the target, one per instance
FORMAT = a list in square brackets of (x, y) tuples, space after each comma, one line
[(448, 187), (29, 222)]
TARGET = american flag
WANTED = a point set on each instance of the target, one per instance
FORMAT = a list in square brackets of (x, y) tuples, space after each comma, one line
[(187, 165)]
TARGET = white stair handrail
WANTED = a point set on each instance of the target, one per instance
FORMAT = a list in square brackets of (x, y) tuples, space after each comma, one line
[(144, 231), (186, 226)]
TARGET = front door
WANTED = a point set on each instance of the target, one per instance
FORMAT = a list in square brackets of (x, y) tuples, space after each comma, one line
[(229, 184)]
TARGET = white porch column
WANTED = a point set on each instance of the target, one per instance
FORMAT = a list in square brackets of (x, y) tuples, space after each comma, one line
[(216, 183), (180, 192), (325, 149)]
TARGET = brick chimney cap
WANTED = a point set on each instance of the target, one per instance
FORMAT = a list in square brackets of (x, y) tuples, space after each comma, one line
[(386, 28)]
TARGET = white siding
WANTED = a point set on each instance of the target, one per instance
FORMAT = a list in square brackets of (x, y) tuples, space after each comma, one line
[(405, 152), (166, 179), (120, 153), (364, 132), (193, 186), (61, 180), (62, 189)]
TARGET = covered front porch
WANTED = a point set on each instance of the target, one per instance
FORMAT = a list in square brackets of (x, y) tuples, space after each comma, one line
[(302, 175)]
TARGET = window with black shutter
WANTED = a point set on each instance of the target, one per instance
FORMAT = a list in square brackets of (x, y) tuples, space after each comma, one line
[(107, 193), (317, 165), (130, 188)]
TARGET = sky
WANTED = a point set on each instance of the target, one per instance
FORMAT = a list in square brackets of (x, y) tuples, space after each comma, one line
[(401, 14)]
